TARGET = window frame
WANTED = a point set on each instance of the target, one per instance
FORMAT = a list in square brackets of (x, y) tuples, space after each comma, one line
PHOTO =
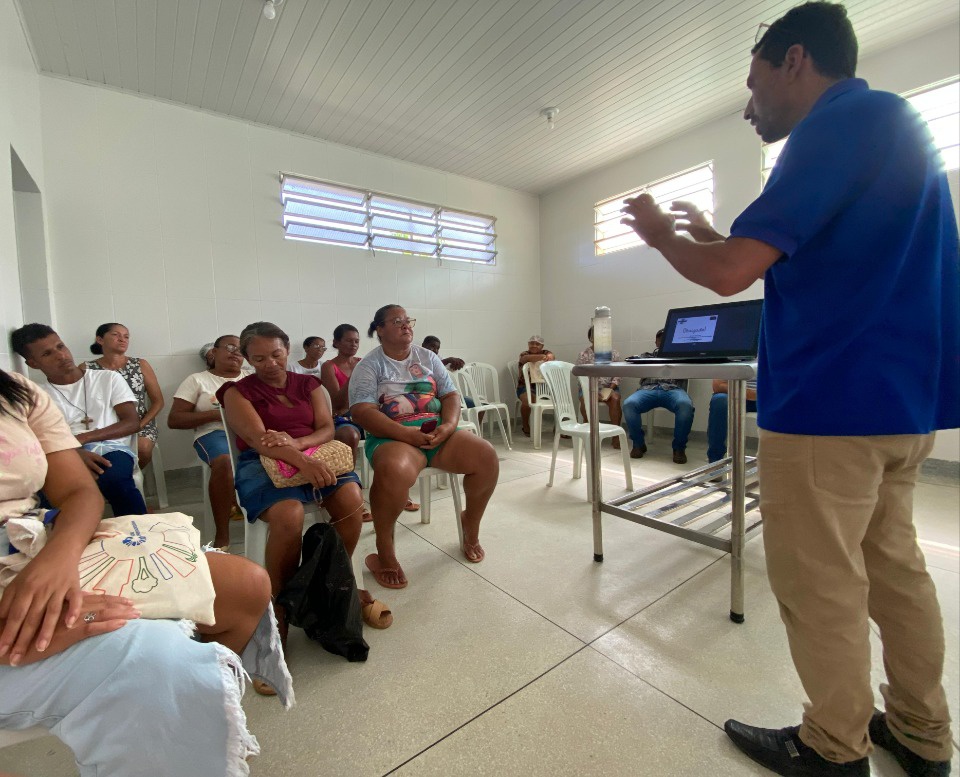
[(602, 210), (337, 214)]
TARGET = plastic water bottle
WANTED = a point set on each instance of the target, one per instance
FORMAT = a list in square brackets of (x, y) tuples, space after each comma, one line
[(602, 335)]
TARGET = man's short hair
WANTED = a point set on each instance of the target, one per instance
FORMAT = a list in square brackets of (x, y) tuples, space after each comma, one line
[(26, 335), (823, 30), (430, 340)]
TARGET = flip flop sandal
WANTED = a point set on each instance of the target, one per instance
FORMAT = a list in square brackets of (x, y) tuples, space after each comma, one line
[(377, 615), (476, 549), (367, 515), (263, 688), (411, 506), (236, 514), (373, 564)]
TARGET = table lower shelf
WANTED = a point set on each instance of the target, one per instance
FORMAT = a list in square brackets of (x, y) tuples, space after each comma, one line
[(695, 506)]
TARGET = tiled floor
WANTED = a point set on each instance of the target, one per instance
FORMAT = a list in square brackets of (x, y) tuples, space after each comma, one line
[(540, 661)]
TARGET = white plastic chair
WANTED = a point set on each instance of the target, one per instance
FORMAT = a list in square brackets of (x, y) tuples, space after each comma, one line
[(255, 534), (513, 370), (467, 386), (542, 404), (487, 380), (155, 469), (557, 375)]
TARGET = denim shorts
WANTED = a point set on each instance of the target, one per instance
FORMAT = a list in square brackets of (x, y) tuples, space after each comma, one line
[(211, 445), (257, 492)]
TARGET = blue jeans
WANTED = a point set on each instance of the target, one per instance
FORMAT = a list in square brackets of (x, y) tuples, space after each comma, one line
[(117, 486), (675, 400), (717, 426)]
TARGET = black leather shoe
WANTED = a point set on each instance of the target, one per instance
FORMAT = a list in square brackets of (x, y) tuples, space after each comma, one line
[(912, 764), (680, 457), (637, 453), (782, 752)]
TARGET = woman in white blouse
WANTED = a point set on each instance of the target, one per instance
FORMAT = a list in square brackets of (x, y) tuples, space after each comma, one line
[(195, 407)]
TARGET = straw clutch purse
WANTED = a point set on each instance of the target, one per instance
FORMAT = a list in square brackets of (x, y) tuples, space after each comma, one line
[(336, 455)]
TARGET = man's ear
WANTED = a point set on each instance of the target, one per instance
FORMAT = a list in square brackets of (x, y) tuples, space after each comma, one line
[(32, 363), (793, 60)]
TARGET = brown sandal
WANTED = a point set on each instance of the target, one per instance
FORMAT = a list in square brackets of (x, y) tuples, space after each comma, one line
[(264, 689), (473, 547), (377, 615), (411, 506)]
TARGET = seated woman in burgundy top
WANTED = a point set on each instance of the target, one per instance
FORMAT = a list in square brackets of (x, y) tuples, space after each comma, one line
[(279, 414)]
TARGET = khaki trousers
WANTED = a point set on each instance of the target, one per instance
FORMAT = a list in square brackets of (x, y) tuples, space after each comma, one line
[(841, 546)]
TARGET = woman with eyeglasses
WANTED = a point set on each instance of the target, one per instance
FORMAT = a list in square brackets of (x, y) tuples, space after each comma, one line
[(313, 350), (112, 341), (403, 397), (195, 407)]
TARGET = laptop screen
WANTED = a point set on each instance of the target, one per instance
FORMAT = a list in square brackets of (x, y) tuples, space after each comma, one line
[(730, 329)]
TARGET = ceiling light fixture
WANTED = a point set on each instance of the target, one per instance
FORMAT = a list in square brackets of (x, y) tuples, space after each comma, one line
[(550, 114), (270, 8)]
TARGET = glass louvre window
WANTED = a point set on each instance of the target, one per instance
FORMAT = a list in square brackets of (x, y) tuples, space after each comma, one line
[(939, 105), (694, 185), (323, 212)]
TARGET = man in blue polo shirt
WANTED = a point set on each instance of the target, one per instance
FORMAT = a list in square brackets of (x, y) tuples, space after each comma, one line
[(856, 240)]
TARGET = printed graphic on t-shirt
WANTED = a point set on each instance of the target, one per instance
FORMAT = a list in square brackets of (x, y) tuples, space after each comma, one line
[(418, 397)]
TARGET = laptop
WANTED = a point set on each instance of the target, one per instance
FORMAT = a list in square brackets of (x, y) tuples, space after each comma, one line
[(727, 332)]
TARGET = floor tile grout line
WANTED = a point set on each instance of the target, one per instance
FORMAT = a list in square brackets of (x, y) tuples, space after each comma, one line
[(493, 706), (647, 682), (473, 571)]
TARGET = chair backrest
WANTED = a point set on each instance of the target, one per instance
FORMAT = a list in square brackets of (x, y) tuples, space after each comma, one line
[(584, 382), (468, 387), (487, 379), (513, 370), (557, 374), (543, 389), (231, 441)]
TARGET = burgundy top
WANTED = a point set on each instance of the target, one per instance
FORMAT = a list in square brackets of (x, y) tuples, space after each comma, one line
[(297, 421)]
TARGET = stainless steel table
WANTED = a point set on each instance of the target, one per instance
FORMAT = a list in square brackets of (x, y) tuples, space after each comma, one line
[(701, 504)]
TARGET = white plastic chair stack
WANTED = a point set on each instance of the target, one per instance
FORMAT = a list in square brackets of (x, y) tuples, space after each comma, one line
[(543, 403), (468, 388), (557, 375)]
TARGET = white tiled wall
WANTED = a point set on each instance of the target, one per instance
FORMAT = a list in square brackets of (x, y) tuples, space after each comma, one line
[(167, 219), (638, 284)]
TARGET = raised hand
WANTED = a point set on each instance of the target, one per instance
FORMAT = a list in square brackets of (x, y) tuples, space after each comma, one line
[(689, 218)]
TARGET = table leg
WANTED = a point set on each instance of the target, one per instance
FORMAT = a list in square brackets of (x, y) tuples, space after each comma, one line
[(596, 490), (736, 407)]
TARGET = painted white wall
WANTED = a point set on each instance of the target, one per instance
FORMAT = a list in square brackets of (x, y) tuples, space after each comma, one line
[(19, 129), (637, 283), (167, 219)]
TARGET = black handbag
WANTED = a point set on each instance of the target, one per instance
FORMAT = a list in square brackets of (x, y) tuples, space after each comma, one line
[(321, 597)]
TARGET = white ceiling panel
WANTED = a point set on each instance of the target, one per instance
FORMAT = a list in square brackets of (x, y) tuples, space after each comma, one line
[(457, 85)]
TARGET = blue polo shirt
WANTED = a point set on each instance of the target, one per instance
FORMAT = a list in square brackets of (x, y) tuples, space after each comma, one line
[(861, 328)]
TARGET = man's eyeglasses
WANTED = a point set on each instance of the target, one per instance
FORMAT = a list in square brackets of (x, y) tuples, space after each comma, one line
[(410, 322), (230, 347)]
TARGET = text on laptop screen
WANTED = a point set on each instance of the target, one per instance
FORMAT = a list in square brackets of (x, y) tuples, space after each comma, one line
[(728, 329)]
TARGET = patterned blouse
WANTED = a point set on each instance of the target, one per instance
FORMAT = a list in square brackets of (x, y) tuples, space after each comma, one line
[(132, 373)]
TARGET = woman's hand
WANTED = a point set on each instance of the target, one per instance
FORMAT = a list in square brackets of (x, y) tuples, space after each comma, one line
[(272, 439), (413, 436), (33, 602), (318, 473), (101, 614), (439, 436)]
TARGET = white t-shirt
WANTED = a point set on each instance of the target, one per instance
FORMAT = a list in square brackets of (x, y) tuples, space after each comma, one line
[(200, 390), (412, 387), (96, 395), (294, 366)]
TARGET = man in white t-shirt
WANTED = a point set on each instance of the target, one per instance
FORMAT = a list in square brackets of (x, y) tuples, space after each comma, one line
[(99, 408)]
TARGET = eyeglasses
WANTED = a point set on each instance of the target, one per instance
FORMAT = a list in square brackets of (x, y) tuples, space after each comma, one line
[(780, 32), (230, 347), (317, 345), (410, 322)]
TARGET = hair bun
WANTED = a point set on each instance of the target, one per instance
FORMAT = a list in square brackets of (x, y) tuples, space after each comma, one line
[(97, 349)]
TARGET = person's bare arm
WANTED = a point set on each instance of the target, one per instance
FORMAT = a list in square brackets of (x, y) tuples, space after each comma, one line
[(329, 380), (184, 415), (726, 267), (154, 394), (128, 423), (31, 605), (721, 387)]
